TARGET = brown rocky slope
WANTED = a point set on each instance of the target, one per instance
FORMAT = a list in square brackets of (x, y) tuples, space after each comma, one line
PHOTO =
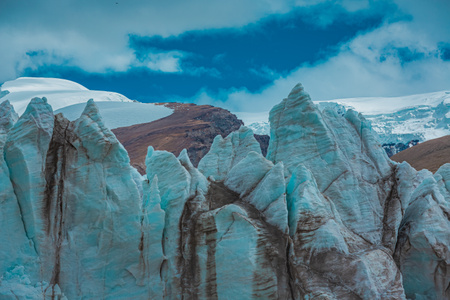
[(429, 155), (191, 127)]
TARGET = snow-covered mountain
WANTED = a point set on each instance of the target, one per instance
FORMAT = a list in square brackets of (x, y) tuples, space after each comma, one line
[(70, 98), (327, 215), (401, 119), (59, 93), (395, 119)]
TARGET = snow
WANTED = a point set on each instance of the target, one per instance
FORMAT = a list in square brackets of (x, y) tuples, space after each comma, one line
[(260, 127), (120, 114), (253, 117), (26, 84), (69, 98), (59, 93)]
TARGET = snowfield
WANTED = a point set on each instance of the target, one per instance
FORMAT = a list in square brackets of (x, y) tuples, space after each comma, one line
[(69, 98), (118, 114)]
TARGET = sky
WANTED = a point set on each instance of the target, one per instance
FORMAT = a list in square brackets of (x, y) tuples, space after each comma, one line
[(243, 55)]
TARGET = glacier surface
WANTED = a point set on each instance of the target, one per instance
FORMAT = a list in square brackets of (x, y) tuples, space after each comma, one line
[(120, 114), (327, 215)]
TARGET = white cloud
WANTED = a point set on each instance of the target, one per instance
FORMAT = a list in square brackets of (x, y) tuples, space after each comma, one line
[(168, 62)]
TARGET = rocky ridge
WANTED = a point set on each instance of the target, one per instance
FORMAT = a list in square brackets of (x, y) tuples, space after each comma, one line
[(191, 127), (430, 155), (327, 215)]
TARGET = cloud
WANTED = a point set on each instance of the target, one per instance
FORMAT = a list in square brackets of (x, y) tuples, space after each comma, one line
[(405, 55), (93, 35), (167, 62), (265, 72)]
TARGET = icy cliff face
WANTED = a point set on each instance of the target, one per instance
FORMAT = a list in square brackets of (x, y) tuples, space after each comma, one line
[(327, 215), (77, 206)]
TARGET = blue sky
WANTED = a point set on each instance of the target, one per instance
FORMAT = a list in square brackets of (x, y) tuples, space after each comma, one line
[(243, 55)]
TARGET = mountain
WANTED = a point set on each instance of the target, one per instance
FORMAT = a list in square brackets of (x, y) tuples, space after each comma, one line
[(430, 155), (191, 127), (400, 122), (326, 215)]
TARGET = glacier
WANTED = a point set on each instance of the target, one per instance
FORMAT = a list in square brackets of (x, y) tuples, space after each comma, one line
[(399, 122), (326, 215)]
